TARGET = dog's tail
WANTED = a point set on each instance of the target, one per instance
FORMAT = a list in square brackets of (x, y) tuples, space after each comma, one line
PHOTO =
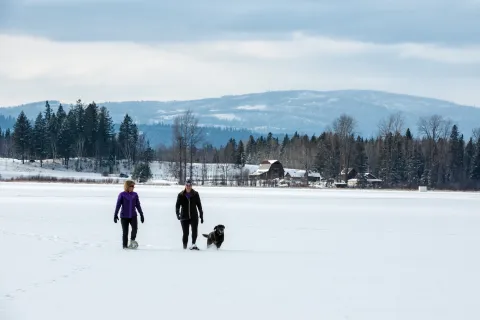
[(205, 235)]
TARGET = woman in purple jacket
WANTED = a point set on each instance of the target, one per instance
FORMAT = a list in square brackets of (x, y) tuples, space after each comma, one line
[(130, 203)]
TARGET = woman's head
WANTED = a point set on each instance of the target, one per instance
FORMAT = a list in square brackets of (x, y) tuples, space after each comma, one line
[(128, 185)]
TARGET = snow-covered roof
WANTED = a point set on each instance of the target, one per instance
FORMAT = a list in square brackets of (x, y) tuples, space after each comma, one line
[(314, 174), (295, 173), (270, 161), (368, 180), (259, 172)]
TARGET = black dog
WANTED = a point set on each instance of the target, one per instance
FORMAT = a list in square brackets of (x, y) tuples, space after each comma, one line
[(215, 237)]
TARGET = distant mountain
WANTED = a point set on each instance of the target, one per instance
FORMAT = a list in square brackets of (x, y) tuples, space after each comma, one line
[(161, 134), (287, 111), (6, 122)]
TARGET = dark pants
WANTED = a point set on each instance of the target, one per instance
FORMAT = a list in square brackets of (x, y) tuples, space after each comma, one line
[(125, 223), (185, 227)]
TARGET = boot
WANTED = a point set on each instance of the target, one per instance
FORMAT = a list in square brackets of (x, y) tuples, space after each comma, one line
[(133, 244)]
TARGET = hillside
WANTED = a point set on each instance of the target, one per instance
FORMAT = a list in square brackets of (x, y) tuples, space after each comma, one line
[(287, 111)]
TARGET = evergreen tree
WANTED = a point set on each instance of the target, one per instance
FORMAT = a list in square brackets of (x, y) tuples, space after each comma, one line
[(22, 134), (91, 129), (386, 162), (67, 137), (461, 160), (105, 139), (475, 171), (408, 135), (8, 143), (251, 150), (48, 112), (47, 118), (148, 154), (127, 139), (61, 115), (399, 160), (269, 146), (360, 162), (240, 156), (52, 135), (414, 167), (469, 158), (78, 133), (2, 143), (40, 140), (142, 172), (455, 156), (231, 151)]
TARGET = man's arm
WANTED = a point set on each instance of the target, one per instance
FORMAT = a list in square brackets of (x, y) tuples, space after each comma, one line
[(177, 207), (199, 205)]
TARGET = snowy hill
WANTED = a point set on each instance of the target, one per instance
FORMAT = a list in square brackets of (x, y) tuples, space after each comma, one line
[(287, 111)]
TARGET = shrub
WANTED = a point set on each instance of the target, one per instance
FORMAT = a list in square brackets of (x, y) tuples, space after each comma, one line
[(142, 172)]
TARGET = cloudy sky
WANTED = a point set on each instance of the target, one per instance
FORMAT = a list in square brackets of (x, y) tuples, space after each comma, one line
[(112, 50)]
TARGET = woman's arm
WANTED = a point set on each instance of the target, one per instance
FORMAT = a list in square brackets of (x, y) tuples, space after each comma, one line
[(138, 205), (119, 204)]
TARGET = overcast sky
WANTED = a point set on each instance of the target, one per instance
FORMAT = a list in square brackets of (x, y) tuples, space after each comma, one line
[(112, 50)]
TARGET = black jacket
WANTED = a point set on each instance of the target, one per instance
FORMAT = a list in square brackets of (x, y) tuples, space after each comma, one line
[(186, 208)]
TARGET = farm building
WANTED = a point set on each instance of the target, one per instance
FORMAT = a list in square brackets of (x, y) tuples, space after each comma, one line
[(268, 170), (367, 179), (294, 174), (351, 173), (314, 176), (301, 175)]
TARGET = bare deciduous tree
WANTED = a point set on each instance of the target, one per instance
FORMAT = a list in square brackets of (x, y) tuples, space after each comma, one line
[(186, 134), (393, 124), (179, 144), (195, 135), (434, 127), (344, 127)]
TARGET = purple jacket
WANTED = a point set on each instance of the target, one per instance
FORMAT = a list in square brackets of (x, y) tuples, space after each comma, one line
[(129, 201)]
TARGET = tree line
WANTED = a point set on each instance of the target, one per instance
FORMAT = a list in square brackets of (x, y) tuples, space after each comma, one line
[(86, 132), (436, 155)]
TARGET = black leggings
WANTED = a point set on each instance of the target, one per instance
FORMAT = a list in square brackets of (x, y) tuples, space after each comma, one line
[(125, 223), (185, 228)]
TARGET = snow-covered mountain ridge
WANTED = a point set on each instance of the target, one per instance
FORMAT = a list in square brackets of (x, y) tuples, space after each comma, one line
[(304, 111)]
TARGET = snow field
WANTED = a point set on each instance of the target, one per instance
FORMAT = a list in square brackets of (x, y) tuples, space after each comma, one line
[(288, 253)]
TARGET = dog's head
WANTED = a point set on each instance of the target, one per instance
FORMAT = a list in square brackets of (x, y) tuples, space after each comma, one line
[(220, 229)]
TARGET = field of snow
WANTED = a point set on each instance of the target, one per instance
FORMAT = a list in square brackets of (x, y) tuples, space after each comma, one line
[(14, 168), (161, 171), (288, 254)]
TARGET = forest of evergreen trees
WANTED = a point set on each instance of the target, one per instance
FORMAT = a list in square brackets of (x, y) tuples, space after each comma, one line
[(437, 156), (85, 132)]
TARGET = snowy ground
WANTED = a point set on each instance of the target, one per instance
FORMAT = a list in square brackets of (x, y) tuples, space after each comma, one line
[(161, 171), (14, 168), (288, 254)]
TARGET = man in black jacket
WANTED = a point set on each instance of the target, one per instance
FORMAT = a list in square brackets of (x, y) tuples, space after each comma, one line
[(186, 210)]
